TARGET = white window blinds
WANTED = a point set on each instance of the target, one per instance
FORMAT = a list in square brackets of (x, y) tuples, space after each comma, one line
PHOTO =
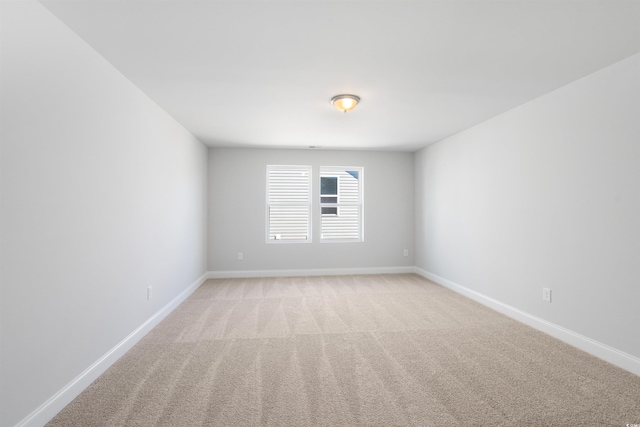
[(341, 197), (288, 203)]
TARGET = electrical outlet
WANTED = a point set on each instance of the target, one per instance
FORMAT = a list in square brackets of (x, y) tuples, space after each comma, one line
[(546, 294), (240, 256), (149, 292), (406, 252)]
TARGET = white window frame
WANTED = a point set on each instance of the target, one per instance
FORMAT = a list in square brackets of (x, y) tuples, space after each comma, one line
[(327, 171), (308, 203)]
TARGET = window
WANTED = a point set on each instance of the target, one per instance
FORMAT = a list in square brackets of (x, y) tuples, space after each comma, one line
[(288, 203), (341, 195)]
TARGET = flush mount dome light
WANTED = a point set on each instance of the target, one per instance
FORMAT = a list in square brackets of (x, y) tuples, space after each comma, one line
[(345, 102)]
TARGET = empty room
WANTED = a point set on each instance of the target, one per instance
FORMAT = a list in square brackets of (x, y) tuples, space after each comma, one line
[(319, 213)]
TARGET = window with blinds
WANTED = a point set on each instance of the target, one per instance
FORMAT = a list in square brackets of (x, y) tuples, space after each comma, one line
[(341, 196), (288, 203)]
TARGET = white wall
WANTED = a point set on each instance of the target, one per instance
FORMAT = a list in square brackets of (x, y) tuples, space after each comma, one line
[(102, 193), (237, 186), (547, 194)]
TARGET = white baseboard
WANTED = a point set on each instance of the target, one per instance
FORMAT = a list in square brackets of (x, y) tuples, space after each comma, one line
[(614, 356), (311, 272), (45, 412)]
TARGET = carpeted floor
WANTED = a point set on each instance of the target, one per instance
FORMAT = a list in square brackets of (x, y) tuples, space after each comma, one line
[(387, 350)]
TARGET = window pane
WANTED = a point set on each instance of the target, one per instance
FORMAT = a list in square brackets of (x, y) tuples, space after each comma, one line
[(343, 226), (329, 211), (329, 199), (288, 222), (289, 186), (329, 185)]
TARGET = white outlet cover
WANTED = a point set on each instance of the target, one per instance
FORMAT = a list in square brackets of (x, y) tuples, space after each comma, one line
[(546, 294)]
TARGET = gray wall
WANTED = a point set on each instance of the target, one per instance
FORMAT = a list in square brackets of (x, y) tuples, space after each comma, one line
[(102, 195), (237, 186), (545, 195)]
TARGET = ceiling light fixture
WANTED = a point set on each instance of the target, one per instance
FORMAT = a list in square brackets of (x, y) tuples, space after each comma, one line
[(345, 102)]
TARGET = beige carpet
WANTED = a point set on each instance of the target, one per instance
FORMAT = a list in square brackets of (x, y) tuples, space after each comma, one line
[(388, 350)]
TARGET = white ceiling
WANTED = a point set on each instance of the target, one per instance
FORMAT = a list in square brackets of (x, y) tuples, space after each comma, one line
[(261, 73)]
